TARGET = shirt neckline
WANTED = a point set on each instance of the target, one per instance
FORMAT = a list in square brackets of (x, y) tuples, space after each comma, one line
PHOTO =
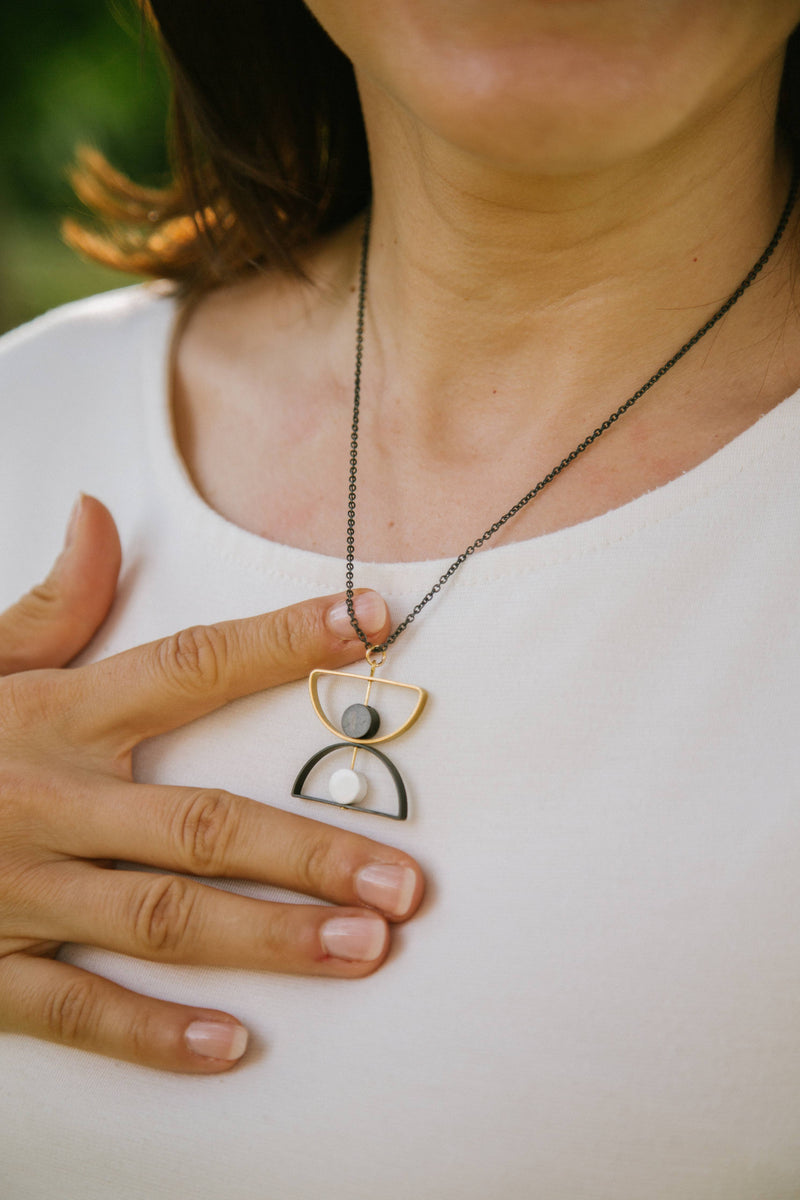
[(312, 569)]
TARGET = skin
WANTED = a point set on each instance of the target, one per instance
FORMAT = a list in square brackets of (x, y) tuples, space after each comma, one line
[(564, 192)]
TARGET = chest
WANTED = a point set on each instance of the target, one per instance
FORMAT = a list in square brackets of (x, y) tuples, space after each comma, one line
[(602, 987), (278, 466)]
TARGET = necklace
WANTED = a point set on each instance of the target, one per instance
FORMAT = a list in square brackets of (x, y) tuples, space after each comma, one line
[(361, 722)]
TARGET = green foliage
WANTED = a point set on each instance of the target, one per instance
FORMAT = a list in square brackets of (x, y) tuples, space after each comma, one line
[(72, 71)]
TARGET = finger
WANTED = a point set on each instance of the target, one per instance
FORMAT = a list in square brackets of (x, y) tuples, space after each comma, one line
[(167, 683), (207, 832), (170, 918), (61, 1003), (54, 621)]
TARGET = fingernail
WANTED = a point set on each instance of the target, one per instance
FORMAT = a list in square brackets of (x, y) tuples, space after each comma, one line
[(217, 1039), (370, 610), (359, 939), (387, 887), (74, 521)]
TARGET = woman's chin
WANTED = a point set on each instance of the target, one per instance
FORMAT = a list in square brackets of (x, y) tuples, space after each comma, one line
[(563, 86), (552, 125)]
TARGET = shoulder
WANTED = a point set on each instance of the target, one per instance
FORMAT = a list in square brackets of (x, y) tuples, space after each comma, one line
[(85, 366), (115, 322), (77, 386)]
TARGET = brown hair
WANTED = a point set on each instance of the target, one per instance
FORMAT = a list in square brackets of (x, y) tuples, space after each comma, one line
[(267, 146)]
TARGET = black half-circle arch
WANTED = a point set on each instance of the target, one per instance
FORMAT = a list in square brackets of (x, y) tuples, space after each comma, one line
[(397, 779)]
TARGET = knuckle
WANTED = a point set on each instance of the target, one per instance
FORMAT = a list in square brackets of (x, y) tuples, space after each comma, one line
[(28, 626), (70, 1013), (38, 607), (28, 700), (318, 862), (144, 1031), (25, 888), (292, 633), (206, 826), (194, 659), (13, 788), (161, 915), (39, 602), (281, 934)]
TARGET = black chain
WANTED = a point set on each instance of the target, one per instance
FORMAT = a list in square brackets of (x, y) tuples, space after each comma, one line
[(579, 449)]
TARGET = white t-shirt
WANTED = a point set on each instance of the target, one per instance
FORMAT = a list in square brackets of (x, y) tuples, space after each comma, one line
[(600, 999)]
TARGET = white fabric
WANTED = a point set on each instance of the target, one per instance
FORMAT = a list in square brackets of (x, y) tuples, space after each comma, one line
[(600, 999)]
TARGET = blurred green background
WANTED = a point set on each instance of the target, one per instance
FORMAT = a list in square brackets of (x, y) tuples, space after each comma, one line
[(70, 71)]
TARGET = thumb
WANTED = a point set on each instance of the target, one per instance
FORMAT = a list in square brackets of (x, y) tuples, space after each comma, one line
[(54, 621)]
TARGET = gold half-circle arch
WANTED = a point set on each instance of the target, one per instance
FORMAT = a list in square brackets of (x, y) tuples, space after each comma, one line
[(313, 687)]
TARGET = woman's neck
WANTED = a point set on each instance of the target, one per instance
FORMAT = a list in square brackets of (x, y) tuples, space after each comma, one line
[(506, 317), (547, 299)]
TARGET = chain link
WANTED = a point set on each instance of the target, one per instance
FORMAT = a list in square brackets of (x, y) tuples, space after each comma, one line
[(750, 278)]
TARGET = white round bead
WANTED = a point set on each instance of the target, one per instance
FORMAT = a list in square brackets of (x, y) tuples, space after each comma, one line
[(347, 787)]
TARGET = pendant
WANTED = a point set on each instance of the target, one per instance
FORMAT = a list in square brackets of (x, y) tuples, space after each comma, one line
[(359, 732)]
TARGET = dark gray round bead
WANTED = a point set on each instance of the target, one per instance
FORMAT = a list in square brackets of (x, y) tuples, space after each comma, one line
[(360, 721)]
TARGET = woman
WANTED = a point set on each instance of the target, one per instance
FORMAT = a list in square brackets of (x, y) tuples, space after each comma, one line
[(600, 999)]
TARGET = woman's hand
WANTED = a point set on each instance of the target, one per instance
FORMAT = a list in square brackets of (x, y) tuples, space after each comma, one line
[(68, 809)]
